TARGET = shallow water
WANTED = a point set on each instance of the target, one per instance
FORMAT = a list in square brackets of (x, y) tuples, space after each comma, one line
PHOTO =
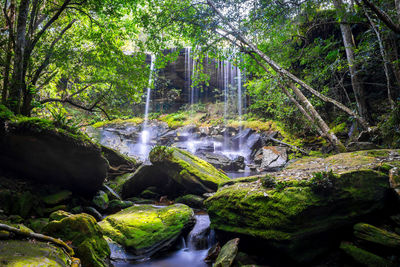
[(190, 253)]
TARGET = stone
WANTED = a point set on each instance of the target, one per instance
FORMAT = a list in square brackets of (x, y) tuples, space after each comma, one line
[(37, 149), (15, 253), (38, 224), (85, 235), (93, 212), (116, 159), (394, 180), (57, 198), (227, 254), (116, 205), (192, 201), (213, 253), (376, 235), (363, 257), (273, 158), (146, 229), (101, 200), (296, 213), (59, 215), (238, 163), (174, 172), (219, 161)]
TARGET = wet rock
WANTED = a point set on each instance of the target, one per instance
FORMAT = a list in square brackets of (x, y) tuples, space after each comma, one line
[(195, 175), (51, 155), (376, 235), (25, 253), (146, 229), (294, 217), (192, 201), (199, 237), (356, 146), (213, 253), (101, 200), (227, 254), (118, 162), (117, 205), (219, 161), (93, 212), (271, 158), (253, 142), (86, 237), (363, 257), (238, 163)]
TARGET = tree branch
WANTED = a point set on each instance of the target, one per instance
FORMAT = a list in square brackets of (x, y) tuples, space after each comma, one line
[(383, 16)]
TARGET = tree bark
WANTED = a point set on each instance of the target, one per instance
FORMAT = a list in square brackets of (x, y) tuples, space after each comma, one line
[(10, 18), (284, 73), (18, 77), (308, 111), (385, 17), (384, 58), (349, 45)]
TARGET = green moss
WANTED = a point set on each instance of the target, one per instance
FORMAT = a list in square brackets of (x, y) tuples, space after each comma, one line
[(227, 254), (376, 235), (101, 200), (5, 113), (191, 200), (15, 253), (38, 224), (57, 197), (279, 214), (85, 234), (134, 120), (59, 215), (144, 227), (364, 257)]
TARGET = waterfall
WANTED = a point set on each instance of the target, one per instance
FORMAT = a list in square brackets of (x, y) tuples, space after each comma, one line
[(239, 104), (188, 74), (145, 135)]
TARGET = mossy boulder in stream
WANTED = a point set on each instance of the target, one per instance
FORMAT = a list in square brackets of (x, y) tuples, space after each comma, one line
[(18, 253), (297, 216), (146, 229), (40, 150), (174, 172), (86, 237)]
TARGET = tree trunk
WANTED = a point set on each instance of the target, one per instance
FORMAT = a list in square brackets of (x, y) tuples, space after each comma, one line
[(18, 77), (397, 4), (7, 67), (349, 46), (384, 58), (284, 73), (308, 110)]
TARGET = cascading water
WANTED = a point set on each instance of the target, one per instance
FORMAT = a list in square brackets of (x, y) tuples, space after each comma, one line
[(145, 134), (239, 105)]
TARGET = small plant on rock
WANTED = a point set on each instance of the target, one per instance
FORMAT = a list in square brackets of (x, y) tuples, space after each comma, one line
[(323, 182)]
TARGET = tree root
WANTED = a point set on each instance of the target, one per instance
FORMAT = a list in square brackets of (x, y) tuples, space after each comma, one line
[(56, 241)]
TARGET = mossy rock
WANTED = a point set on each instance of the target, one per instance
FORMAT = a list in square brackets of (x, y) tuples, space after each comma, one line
[(193, 173), (363, 257), (17, 253), (192, 201), (101, 200), (116, 159), (38, 224), (57, 198), (227, 254), (286, 217), (145, 229), (52, 154), (376, 235), (59, 215), (86, 237)]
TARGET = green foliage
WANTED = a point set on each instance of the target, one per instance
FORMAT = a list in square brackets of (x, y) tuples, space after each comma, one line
[(390, 127), (323, 182)]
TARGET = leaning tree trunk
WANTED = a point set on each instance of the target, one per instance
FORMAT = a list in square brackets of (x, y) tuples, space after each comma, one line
[(282, 72), (18, 78), (308, 110), (349, 46)]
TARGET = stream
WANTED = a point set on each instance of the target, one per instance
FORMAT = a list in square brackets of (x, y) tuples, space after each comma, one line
[(190, 251)]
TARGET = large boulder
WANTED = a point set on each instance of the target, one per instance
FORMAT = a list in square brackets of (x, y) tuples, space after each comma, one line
[(174, 172), (31, 254), (299, 218), (37, 149), (85, 235), (145, 229), (227, 254), (271, 158)]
